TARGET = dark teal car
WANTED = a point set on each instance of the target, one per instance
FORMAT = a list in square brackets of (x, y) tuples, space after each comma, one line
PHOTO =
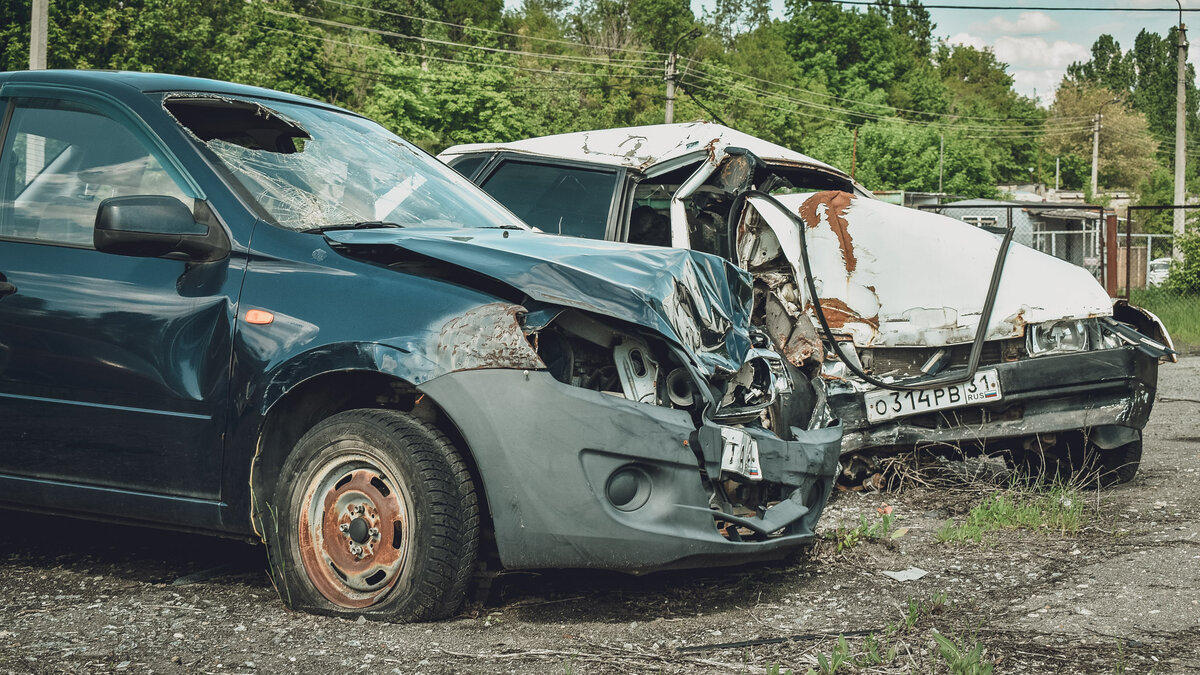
[(235, 311)]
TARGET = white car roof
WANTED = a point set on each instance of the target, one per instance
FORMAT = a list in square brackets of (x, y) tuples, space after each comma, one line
[(643, 147)]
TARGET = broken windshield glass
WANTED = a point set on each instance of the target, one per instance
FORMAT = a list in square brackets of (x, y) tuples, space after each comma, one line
[(314, 168)]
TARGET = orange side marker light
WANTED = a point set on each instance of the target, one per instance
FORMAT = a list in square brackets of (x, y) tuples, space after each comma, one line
[(259, 317)]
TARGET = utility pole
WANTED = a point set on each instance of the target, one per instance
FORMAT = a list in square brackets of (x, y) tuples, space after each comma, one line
[(941, 158), (854, 154), (1180, 134), (37, 34), (1056, 173), (1095, 150), (35, 146), (1096, 142), (673, 72)]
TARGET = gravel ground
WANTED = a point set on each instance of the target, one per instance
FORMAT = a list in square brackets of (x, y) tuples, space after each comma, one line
[(1120, 595)]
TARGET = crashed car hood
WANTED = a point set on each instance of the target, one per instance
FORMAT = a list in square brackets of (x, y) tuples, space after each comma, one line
[(895, 276), (698, 301)]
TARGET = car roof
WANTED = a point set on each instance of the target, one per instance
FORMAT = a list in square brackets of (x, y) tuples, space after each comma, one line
[(643, 147), (123, 83)]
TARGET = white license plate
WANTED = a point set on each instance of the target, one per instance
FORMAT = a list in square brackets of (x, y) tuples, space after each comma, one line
[(885, 404)]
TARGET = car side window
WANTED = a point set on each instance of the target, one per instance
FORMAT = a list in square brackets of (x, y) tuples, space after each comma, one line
[(467, 166), (60, 160), (557, 199)]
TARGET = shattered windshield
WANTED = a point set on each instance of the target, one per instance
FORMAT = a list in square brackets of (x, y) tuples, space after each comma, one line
[(313, 168)]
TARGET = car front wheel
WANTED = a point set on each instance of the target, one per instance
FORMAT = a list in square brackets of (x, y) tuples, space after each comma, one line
[(375, 513)]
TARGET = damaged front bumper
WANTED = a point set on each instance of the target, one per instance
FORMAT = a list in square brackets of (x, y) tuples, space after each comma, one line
[(1108, 393), (579, 478)]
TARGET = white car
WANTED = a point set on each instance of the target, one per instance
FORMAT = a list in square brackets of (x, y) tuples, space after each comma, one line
[(1158, 271), (923, 331)]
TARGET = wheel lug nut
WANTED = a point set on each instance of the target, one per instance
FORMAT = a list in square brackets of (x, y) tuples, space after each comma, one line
[(344, 527), (374, 532)]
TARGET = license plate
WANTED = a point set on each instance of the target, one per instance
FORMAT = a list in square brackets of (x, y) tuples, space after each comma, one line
[(885, 404)]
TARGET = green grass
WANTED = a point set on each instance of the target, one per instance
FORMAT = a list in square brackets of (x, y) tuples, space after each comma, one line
[(1179, 312), (883, 648), (1058, 510), (849, 537)]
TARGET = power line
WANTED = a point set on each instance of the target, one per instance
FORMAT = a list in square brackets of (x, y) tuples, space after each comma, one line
[(428, 78), (494, 32), (1013, 8), (477, 64), (881, 118), (848, 100), (637, 65), (793, 111)]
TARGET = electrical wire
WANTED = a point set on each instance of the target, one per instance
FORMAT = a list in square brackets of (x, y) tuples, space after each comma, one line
[(1014, 131), (1010, 8), (702, 66), (596, 61), (428, 78), (543, 71), (793, 111), (495, 32)]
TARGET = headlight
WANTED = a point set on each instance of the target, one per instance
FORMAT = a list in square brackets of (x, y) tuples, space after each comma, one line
[(1058, 337)]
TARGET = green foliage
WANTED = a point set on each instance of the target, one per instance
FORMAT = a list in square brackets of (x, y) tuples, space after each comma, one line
[(962, 660), (879, 649), (1127, 149), (836, 659), (1059, 510), (1145, 77), (449, 71), (1185, 274), (848, 537), (1177, 311)]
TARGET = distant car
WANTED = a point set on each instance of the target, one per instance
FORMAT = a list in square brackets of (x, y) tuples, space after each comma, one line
[(232, 310), (926, 332), (1158, 271)]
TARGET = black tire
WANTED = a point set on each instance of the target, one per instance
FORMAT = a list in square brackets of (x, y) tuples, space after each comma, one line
[(1078, 462), (374, 514), (1118, 465)]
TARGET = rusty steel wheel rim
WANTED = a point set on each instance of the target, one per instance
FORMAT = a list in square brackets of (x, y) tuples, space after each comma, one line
[(354, 531)]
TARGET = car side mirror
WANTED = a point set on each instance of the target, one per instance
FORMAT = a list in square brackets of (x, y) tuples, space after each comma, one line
[(156, 226)]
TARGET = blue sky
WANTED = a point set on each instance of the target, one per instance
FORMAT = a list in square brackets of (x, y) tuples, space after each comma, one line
[(1038, 46)]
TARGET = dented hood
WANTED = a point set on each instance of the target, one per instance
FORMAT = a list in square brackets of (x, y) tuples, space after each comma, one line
[(698, 301), (894, 276)]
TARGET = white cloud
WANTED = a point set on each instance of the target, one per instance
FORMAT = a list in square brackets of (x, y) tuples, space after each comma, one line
[(1027, 23), (1037, 52), (968, 40), (1039, 84), (1035, 63)]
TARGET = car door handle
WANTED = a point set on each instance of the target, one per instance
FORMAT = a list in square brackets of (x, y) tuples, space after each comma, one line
[(7, 289)]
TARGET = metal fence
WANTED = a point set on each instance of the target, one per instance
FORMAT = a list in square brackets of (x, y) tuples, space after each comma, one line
[(1077, 234), (1150, 273)]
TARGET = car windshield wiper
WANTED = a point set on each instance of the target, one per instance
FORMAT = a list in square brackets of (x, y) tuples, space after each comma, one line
[(362, 225)]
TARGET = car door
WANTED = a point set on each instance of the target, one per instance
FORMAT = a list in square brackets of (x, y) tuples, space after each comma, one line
[(113, 369)]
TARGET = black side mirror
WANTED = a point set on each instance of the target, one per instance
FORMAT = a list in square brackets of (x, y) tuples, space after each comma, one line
[(156, 226)]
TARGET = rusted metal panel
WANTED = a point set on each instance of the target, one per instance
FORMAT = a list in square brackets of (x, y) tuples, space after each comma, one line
[(488, 336)]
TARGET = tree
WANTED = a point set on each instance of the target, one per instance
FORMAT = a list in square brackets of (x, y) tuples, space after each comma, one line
[(1145, 76), (1126, 147)]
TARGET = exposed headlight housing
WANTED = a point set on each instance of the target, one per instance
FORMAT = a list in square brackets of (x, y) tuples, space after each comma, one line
[(1059, 337)]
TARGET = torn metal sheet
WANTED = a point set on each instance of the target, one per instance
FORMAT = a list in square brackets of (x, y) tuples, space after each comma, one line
[(488, 336), (869, 258), (697, 301)]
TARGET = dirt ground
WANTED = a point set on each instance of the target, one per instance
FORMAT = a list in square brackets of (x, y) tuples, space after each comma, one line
[(1120, 595)]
